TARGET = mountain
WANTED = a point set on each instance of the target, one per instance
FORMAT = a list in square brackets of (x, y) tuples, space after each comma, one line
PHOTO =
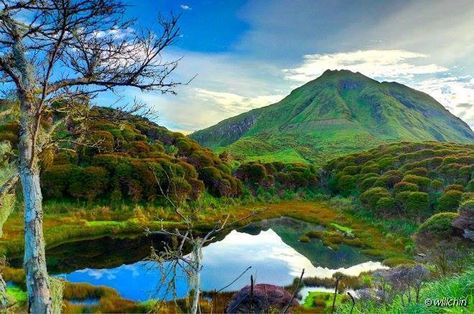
[(338, 113)]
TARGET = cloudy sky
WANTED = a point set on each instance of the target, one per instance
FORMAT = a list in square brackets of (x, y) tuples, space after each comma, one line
[(248, 54)]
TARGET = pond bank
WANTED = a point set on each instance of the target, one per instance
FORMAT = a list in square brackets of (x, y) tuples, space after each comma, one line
[(60, 229)]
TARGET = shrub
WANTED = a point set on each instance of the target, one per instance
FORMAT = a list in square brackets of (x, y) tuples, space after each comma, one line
[(449, 201), (470, 186), (414, 203), (418, 171), (55, 180), (455, 187), (422, 182), (367, 183), (439, 225), (436, 186), (197, 188), (405, 186), (139, 148), (180, 189), (103, 141), (386, 205), (189, 170), (370, 197), (88, 183), (252, 172)]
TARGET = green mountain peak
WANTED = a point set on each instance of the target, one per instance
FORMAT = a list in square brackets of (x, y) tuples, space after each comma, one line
[(337, 113)]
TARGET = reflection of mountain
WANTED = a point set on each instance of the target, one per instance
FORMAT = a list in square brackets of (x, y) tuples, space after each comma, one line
[(290, 230), (106, 252), (109, 252)]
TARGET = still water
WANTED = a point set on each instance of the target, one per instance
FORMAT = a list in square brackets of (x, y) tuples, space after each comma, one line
[(271, 248)]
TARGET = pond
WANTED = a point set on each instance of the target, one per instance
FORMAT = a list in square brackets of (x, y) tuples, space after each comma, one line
[(271, 248)]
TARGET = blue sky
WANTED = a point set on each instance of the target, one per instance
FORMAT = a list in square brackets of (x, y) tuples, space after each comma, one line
[(251, 53)]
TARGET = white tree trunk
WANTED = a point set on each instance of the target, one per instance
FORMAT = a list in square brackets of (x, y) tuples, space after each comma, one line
[(37, 284), (196, 276), (37, 280)]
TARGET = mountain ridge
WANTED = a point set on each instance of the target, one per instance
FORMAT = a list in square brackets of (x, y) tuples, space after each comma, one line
[(339, 112)]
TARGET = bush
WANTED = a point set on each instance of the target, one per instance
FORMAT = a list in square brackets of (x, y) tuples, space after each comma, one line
[(56, 179), (449, 201), (405, 186), (180, 189), (470, 186), (422, 182), (103, 141), (370, 197), (345, 184), (414, 203), (197, 188), (455, 187), (254, 173), (439, 225), (367, 183), (89, 183), (386, 205)]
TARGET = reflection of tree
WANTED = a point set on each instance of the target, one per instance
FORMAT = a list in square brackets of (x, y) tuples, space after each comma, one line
[(173, 257)]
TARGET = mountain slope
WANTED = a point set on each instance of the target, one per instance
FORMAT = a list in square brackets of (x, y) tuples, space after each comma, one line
[(339, 112)]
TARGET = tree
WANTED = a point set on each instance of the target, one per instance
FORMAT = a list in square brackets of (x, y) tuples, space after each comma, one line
[(56, 55), (189, 237)]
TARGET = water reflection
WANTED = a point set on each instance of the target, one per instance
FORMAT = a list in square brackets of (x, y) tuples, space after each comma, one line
[(272, 260)]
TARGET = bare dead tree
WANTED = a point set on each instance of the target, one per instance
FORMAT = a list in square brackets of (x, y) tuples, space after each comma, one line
[(175, 254), (65, 52)]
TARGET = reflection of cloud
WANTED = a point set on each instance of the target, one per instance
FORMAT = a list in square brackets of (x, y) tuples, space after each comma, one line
[(97, 274), (374, 63), (268, 249), (133, 269), (185, 7)]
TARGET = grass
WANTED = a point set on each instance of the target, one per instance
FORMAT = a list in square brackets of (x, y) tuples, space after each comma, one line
[(321, 301), (460, 286), (346, 230), (17, 294)]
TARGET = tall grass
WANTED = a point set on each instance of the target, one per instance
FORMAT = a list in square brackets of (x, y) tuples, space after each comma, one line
[(458, 286)]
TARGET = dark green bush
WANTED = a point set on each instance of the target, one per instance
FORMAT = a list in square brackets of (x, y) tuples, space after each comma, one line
[(56, 179), (370, 197), (438, 225), (405, 186), (88, 183), (449, 201)]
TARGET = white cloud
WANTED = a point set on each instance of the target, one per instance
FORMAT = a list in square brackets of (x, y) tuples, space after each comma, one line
[(388, 64), (456, 94), (234, 103), (185, 7)]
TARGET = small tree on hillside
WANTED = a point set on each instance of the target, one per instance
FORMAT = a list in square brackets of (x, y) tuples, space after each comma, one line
[(55, 55)]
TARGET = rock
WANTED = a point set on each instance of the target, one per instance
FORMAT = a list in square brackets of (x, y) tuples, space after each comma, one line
[(465, 220), (265, 298)]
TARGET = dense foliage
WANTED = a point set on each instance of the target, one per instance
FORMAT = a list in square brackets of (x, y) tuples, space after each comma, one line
[(137, 160), (276, 174), (405, 179)]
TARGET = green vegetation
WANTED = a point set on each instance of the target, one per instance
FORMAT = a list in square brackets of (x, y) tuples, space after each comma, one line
[(458, 287), (17, 294), (409, 180), (321, 301), (339, 113)]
